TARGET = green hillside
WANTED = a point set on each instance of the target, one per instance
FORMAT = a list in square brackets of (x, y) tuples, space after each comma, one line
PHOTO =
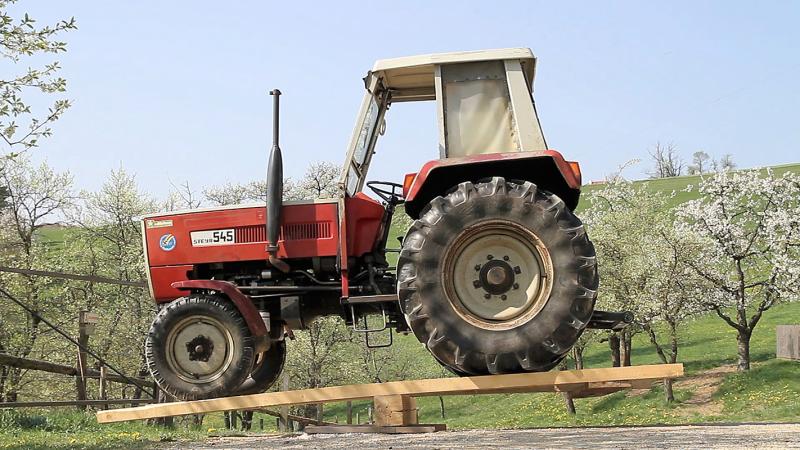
[(679, 184)]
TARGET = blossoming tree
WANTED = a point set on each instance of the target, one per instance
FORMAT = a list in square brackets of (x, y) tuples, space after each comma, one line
[(748, 223), (642, 267)]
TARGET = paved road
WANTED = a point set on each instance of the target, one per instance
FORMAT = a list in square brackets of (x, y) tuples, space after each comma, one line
[(715, 436)]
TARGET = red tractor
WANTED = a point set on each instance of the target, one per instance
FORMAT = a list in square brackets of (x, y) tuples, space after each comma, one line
[(496, 274)]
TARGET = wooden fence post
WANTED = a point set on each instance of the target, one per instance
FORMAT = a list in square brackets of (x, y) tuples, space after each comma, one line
[(103, 385), (84, 330), (283, 423)]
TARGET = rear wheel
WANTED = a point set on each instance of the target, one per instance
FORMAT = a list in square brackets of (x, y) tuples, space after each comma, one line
[(199, 347), (266, 370), (497, 277)]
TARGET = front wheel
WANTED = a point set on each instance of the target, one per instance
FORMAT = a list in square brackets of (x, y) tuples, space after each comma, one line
[(199, 347), (497, 277)]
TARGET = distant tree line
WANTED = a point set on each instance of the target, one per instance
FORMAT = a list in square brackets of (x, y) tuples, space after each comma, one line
[(667, 162)]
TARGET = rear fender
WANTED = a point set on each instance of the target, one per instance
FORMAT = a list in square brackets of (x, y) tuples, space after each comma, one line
[(547, 169), (246, 308)]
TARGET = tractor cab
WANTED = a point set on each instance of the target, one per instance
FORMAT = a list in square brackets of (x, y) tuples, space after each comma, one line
[(483, 102)]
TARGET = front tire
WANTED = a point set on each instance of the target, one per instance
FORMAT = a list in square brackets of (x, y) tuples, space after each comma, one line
[(199, 347), (497, 277)]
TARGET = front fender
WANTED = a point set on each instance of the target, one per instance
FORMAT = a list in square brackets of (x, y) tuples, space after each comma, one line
[(246, 308)]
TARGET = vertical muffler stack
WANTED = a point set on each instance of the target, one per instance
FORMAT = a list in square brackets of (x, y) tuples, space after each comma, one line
[(275, 189)]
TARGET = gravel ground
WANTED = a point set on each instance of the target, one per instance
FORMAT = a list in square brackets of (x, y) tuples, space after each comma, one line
[(701, 436)]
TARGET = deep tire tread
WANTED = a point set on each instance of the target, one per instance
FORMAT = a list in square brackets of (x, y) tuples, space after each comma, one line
[(414, 282)]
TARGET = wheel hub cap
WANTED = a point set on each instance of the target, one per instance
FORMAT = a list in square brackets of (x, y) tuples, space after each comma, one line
[(497, 274), (496, 277), (199, 349)]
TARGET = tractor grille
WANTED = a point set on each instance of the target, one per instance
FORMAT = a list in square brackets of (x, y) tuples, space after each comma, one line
[(251, 233), (299, 231), (291, 232)]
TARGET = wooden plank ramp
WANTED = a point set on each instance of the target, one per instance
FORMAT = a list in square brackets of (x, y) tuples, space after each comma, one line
[(579, 383)]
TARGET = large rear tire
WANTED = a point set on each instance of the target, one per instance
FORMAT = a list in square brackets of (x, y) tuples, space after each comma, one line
[(199, 347), (497, 277)]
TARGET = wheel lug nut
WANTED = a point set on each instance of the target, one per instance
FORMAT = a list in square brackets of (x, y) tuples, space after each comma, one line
[(489, 257), (476, 284), (506, 258), (503, 297), (477, 267), (516, 286), (487, 296), (517, 270)]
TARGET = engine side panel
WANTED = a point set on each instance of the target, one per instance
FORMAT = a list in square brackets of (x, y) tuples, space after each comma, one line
[(308, 229)]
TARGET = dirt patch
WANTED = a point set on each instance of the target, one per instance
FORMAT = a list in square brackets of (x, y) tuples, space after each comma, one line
[(703, 387)]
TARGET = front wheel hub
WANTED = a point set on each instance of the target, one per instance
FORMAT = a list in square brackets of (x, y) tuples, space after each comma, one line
[(199, 349)]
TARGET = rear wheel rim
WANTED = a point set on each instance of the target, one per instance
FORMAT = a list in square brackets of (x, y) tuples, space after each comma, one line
[(497, 274), (199, 349)]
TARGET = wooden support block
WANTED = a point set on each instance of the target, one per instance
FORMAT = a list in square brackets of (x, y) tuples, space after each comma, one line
[(570, 387), (642, 384), (788, 342), (404, 429), (395, 410), (489, 384)]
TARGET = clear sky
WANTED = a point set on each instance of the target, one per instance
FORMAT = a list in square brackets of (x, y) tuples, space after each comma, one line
[(177, 90)]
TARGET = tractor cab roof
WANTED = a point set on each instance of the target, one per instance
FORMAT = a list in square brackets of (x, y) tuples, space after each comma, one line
[(413, 78)]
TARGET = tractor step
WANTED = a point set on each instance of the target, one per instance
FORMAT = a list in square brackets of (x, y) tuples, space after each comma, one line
[(379, 300)]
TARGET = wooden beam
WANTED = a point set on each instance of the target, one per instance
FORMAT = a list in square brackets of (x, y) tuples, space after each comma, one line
[(46, 366), (397, 429), (57, 403), (489, 384), (73, 276)]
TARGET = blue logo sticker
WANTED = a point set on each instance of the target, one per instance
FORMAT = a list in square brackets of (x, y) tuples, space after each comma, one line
[(167, 242)]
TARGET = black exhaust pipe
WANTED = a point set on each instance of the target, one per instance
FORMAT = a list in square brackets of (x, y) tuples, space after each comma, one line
[(275, 189)]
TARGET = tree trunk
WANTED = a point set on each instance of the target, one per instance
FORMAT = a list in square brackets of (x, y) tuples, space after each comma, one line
[(568, 401), (613, 343), (319, 414), (626, 349), (15, 375), (578, 356), (3, 376), (670, 396), (743, 349), (247, 420)]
